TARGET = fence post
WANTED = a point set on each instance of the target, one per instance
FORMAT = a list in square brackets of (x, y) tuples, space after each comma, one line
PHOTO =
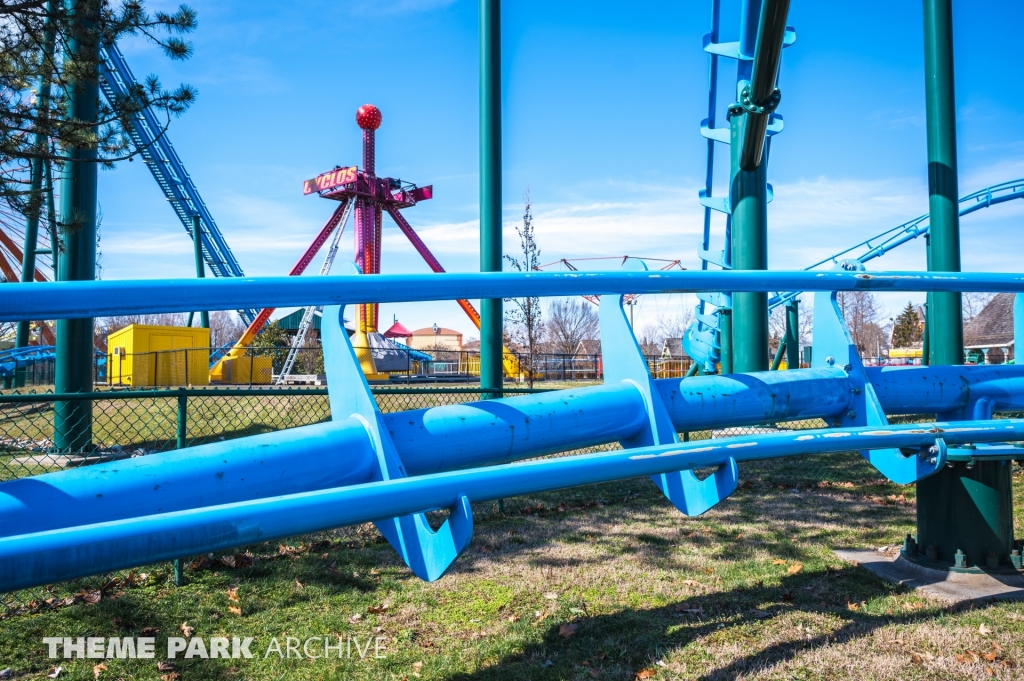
[(179, 563)]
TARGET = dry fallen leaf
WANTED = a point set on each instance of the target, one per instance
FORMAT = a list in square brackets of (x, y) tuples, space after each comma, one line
[(235, 610), (187, 630), (795, 568), (233, 595), (92, 597), (298, 584), (55, 673), (991, 657), (149, 631), (852, 606), (646, 674), (165, 666), (513, 618), (982, 629), (355, 618), (916, 659), (778, 561), (989, 671), (551, 596), (98, 669), (567, 630), (173, 676), (377, 609)]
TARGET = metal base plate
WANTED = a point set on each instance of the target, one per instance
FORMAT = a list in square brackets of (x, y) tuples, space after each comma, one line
[(948, 586)]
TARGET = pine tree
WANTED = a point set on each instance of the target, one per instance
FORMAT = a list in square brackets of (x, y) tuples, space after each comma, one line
[(36, 73), (907, 329)]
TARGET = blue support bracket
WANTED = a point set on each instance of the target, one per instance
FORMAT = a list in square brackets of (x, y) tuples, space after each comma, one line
[(624, 363), (834, 347), (428, 553)]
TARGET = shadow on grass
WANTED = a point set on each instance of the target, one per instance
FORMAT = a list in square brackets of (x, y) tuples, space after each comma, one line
[(620, 645)]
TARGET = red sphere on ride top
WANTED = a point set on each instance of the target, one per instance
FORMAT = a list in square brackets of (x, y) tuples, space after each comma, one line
[(368, 117)]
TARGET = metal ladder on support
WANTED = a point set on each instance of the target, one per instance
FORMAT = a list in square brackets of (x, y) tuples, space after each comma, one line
[(157, 152), (307, 317), (701, 340)]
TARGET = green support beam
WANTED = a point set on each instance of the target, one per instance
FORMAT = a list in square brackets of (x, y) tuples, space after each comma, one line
[(35, 204), (793, 335), (725, 339), (197, 245), (74, 351), (963, 508), (748, 198), (491, 313)]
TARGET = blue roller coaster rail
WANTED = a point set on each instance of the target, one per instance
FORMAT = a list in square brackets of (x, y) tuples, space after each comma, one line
[(882, 243), (391, 469), (158, 153)]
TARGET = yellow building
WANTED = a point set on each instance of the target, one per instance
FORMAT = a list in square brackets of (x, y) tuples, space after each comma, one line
[(141, 355)]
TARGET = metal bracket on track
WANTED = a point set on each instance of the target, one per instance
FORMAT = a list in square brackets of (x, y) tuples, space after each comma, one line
[(624, 362), (834, 346), (428, 553)]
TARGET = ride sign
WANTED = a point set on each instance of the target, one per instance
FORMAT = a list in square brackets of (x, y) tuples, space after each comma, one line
[(330, 180)]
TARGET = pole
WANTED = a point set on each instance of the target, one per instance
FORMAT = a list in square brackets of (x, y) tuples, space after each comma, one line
[(197, 243), (725, 334), (962, 508), (793, 334), (37, 167), (491, 314), (748, 196), (74, 351)]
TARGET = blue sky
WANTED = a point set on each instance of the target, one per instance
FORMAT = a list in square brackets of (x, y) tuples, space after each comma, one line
[(602, 106)]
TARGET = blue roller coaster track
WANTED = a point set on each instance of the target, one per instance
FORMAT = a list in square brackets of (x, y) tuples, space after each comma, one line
[(882, 243), (161, 158)]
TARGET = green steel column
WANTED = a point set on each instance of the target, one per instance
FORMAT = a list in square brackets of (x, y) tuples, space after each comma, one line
[(35, 204), (74, 353), (725, 339), (197, 243), (793, 335), (961, 508), (748, 198), (491, 314), (948, 340)]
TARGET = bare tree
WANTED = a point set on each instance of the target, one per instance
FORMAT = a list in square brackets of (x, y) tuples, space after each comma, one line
[(524, 323), (973, 303), (674, 325), (225, 327), (860, 310), (571, 321)]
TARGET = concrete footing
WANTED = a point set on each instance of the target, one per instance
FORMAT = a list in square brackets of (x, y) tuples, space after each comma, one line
[(949, 586)]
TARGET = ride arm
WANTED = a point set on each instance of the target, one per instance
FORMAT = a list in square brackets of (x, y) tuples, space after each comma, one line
[(299, 267), (428, 257)]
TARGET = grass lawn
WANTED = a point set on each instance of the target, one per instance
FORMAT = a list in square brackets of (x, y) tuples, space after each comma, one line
[(602, 582)]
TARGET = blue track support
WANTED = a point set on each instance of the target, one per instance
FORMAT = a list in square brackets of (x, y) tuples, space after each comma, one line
[(834, 347), (624, 363), (428, 553), (158, 153)]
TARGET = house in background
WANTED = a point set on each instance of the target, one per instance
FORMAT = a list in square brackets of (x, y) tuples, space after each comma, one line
[(988, 338), (435, 338)]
